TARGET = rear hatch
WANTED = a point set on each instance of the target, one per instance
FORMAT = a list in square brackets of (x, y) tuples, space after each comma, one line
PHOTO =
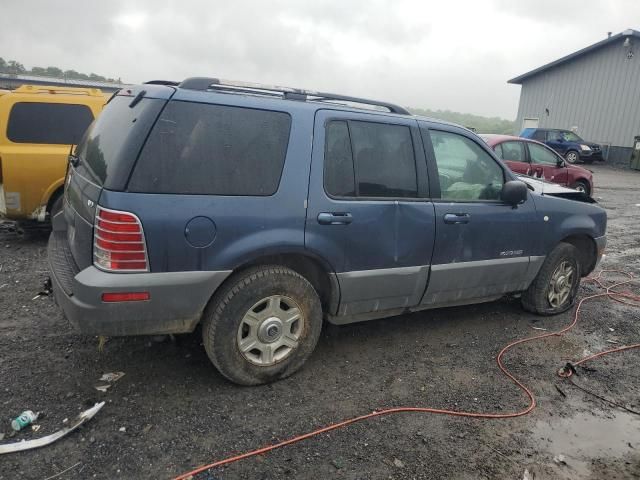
[(104, 159)]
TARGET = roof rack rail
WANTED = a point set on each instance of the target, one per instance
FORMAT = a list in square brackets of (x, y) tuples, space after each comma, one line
[(27, 88), (288, 93), (162, 82)]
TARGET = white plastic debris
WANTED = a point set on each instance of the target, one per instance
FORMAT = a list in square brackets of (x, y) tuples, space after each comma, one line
[(111, 377), (560, 460), (41, 442)]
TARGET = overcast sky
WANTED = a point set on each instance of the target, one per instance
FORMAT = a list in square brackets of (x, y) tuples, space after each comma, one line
[(446, 54)]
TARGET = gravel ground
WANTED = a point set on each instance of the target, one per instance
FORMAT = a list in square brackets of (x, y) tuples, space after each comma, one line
[(178, 412)]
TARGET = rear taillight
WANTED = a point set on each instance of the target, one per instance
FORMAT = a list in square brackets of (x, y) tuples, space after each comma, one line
[(118, 242)]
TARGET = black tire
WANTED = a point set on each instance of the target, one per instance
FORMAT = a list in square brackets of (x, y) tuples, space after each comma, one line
[(582, 186), (572, 156), (224, 315), (56, 206), (536, 298)]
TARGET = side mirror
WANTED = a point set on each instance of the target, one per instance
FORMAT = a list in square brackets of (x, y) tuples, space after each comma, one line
[(514, 192), (560, 162)]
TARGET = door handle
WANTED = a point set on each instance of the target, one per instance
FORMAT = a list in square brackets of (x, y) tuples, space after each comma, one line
[(457, 218), (334, 218)]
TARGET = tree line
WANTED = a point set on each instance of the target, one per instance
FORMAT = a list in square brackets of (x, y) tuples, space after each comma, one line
[(478, 122), (14, 67)]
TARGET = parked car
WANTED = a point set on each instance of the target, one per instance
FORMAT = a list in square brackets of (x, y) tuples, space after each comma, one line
[(38, 125), (566, 143), (257, 211), (528, 157)]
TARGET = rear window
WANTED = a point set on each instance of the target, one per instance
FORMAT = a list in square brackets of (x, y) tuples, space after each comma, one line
[(112, 143), (198, 148), (48, 123)]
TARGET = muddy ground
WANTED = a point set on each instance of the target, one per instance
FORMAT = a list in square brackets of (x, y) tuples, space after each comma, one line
[(178, 412)]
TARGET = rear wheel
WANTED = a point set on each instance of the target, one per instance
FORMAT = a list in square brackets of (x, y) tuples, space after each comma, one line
[(581, 186), (555, 288), (572, 156), (263, 325)]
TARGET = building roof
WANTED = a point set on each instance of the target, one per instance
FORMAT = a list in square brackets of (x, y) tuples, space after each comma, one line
[(61, 82), (627, 33)]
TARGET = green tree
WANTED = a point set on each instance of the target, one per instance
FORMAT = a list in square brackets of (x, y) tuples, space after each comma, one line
[(478, 122), (15, 68), (54, 72)]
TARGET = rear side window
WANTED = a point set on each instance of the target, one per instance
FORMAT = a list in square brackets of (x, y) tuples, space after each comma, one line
[(539, 135), (48, 123), (198, 148), (369, 159)]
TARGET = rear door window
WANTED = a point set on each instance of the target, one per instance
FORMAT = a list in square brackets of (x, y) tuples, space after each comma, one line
[(539, 135), (367, 159), (48, 123), (198, 148), (513, 151)]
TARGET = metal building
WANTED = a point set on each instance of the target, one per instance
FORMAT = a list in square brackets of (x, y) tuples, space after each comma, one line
[(594, 91)]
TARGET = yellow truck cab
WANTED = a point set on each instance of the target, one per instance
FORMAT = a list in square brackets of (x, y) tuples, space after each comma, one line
[(38, 126)]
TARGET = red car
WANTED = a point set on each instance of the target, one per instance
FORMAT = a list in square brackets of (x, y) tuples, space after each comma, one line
[(535, 159)]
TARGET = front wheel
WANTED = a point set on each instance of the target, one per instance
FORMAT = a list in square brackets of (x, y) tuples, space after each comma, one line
[(572, 156), (263, 325), (555, 288), (582, 186)]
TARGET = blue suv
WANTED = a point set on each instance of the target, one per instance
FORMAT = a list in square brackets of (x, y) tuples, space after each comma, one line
[(258, 212), (566, 143)]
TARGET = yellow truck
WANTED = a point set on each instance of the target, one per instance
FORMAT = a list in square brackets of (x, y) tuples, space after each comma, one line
[(38, 126)]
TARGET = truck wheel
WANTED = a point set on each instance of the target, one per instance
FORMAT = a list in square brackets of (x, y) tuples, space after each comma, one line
[(555, 288), (572, 156), (263, 325), (581, 186)]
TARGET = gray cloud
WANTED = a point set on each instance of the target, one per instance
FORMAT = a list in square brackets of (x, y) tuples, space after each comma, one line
[(457, 55)]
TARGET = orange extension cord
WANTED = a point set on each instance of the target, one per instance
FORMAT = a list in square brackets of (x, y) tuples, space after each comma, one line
[(626, 298)]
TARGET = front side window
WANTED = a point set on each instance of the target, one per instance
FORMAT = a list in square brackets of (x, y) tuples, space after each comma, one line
[(48, 123), (569, 136), (542, 155), (466, 172), (513, 151), (199, 148), (367, 159)]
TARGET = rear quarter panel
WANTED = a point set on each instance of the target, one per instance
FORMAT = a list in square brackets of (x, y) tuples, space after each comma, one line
[(245, 226)]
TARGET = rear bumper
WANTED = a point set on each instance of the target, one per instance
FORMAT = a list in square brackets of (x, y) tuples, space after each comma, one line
[(175, 305)]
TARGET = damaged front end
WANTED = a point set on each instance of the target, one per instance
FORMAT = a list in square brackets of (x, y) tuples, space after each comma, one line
[(553, 189)]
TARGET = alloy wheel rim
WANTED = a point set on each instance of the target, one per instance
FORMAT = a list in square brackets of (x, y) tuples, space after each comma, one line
[(270, 330), (561, 284), (572, 157)]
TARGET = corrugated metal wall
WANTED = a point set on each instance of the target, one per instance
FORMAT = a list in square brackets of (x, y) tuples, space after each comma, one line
[(599, 93)]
